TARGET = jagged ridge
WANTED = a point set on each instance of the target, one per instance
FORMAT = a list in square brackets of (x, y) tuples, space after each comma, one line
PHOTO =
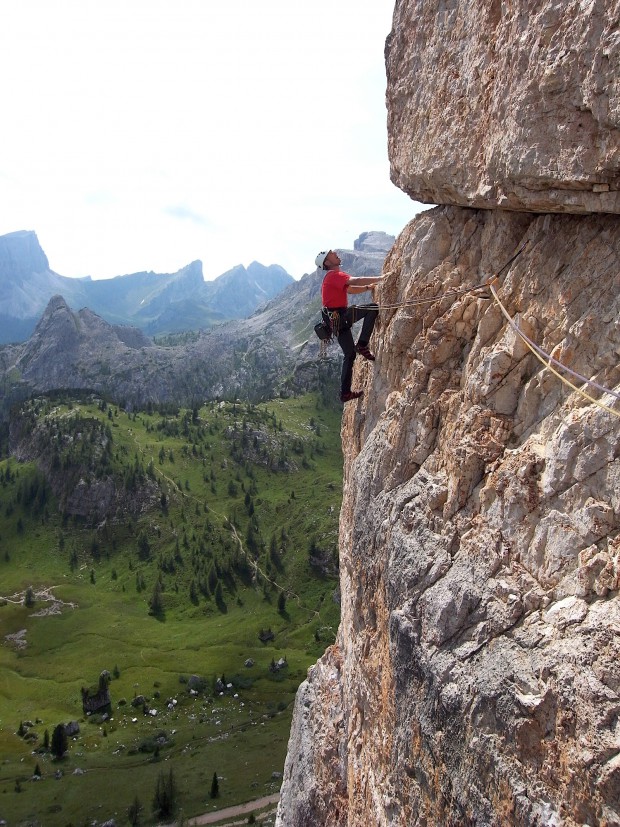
[(155, 302), (273, 352)]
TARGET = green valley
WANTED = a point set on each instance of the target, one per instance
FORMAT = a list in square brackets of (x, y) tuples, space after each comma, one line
[(166, 578)]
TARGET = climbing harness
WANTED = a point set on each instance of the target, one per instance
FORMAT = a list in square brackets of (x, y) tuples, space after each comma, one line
[(334, 321), (329, 327)]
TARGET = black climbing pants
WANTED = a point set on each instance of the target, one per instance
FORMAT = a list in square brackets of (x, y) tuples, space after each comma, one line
[(347, 316)]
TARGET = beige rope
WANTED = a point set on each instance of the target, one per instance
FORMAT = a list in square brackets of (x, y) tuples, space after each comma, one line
[(541, 356)]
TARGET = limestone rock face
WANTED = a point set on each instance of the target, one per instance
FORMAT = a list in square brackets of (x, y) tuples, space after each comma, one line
[(476, 664), (316, 788), (475, 676), (512, 105)]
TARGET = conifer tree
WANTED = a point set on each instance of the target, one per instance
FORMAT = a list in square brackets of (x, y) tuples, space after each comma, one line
[(215, 786), (165, 799), (133, 812), (59, 741), (156, 604)]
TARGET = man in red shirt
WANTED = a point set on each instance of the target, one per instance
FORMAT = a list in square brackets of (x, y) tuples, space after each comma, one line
[(334, 293)]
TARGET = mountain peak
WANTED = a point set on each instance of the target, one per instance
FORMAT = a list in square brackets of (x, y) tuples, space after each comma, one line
[(374, 242), (21, 254), (57, 308)]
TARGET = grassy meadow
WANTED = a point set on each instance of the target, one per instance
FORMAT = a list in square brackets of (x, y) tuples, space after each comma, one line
[(230, 533)]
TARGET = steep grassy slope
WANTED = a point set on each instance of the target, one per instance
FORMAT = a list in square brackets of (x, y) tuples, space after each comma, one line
[(222, 529)]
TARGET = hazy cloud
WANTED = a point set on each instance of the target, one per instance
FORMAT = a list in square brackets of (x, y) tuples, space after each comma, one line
[(186, 214)]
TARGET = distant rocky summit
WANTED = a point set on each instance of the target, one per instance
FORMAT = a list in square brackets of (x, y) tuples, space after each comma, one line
[(156, 303)]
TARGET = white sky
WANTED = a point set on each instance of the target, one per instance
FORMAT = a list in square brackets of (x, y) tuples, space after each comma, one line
[(143, 134)]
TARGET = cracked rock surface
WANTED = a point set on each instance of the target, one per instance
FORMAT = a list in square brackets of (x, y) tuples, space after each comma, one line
[(513, 105), (475, 676)]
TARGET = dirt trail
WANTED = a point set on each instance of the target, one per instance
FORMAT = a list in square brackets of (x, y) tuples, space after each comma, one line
[(233, 812)]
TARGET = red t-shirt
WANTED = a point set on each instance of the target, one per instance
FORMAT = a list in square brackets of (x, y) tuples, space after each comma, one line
[(334, 289)]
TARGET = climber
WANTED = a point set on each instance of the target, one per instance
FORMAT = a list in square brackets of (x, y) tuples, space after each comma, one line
[(336, 313)]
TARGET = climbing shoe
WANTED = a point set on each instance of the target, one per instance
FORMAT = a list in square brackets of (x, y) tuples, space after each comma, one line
[(363, 351), (347, 397)]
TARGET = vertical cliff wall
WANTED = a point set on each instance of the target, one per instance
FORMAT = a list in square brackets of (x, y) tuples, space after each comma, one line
[(475, 677)]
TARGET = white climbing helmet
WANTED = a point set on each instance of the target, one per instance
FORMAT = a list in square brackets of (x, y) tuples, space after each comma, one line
[(320, 259)]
